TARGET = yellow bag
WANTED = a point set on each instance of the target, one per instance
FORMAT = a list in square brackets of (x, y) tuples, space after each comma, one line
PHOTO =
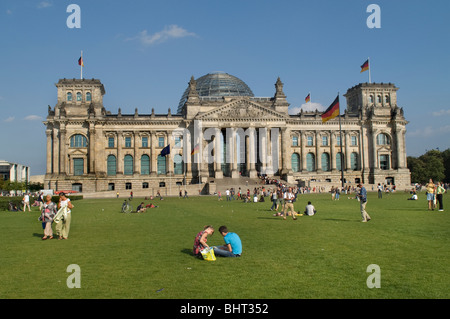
[(208, 254)]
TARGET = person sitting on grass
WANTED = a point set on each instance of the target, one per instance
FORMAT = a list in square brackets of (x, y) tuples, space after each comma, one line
[(413, 196), (233, 244), (200, 240), (141, 208), (310, 210)]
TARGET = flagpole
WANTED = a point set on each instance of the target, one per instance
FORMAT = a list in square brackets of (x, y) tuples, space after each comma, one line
[(368, 60), (81, 66), (342, 154)]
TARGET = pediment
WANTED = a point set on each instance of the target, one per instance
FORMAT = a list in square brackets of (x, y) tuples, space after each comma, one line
[(242, 110)]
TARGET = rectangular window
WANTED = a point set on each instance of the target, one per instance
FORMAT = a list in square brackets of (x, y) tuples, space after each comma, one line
[(324, 140), (111, 142), (294, 140), (309, 140), (338, 140), (354, 141), (128, 141), (144, 141), (384, 162), (161, 141), (78, 166)]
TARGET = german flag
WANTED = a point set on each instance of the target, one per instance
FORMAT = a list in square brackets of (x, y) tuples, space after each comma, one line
[(308, 98), (196, 149), (80, 61), (332, 111), (365, 66)]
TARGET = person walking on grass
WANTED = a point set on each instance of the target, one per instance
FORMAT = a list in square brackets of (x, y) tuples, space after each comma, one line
[(63, 227), (48, 212), (289, 203), (362, 195), (26, 202), (439, 196), (431, 194)]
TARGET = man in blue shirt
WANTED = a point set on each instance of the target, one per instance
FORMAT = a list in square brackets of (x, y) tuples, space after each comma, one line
[(233, 244), (362, 195)]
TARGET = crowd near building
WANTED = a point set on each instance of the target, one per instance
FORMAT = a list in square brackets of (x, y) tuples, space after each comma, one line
[(221, 130)]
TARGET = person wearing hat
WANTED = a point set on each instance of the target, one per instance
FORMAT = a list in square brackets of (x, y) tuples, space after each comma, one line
[(362, 195), (63, 227)]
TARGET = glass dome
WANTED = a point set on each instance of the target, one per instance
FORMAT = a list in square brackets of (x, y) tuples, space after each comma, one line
[(218, 84)]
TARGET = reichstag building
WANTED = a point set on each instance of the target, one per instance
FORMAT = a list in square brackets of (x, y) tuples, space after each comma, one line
[(219, 131)]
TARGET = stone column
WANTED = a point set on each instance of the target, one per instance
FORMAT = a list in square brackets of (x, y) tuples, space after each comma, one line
[(48, 133), (153, 155), (399, 144), (303, 150), (332, 152), (318, 155), (91, 154), (62, 149), (137, 157), (374, 149), (347, 151), (55, 151), (252, 152), (119, 161)]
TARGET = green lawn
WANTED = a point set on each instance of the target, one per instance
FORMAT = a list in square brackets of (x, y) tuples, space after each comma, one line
[(149, 255)]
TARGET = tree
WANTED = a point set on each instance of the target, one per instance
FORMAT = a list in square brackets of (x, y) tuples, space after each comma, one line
[(428, 165)]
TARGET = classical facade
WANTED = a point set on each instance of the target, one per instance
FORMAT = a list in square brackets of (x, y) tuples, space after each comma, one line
[(221, 130)]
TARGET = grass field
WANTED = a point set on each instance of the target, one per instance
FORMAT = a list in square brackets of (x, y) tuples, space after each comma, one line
[(149, 255)]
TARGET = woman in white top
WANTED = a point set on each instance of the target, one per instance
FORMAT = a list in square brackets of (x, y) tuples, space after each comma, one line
[(63, 227)]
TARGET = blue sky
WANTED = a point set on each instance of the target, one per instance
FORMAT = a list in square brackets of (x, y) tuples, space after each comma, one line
[(145, 52)]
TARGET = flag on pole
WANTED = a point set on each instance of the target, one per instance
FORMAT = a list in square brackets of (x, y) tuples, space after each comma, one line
[(165, 151), (196, 149), (332, 111), (80, 61), (365, 66), (308, 98)]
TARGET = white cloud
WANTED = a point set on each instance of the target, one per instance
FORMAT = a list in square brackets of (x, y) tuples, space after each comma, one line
[(441, 113), (169, 32), (44, 4), (9, 119), (33, 118), (307, 107), (429, 131)]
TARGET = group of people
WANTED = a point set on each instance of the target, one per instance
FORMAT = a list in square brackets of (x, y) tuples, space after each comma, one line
[(283, 198), (232, 247), (48, 213), (434, 195)]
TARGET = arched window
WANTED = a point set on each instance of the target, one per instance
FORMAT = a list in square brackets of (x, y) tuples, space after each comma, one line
[(69, 96), (339, 161), (78, 140), (310, 162), (161, 165), (79, 96), (354, 161), (383, 139), (325, 159), (295, 162), (178, 168), (145, 165), (128, 165), (111, 165), (88, 96)]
